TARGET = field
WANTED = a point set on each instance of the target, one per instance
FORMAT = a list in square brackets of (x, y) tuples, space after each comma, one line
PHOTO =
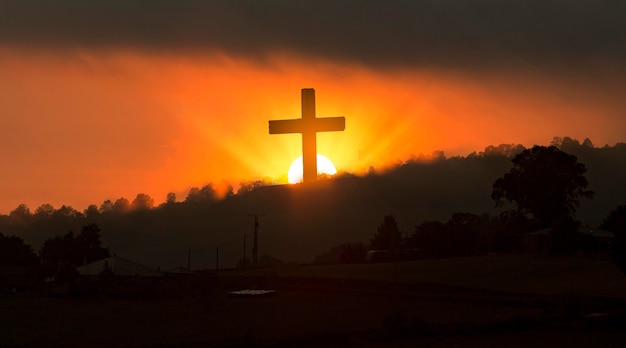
[(575, 275), (510, 300)]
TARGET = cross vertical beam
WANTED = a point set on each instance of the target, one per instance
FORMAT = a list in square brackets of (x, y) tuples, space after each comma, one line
[(309, 125), (309, 136)]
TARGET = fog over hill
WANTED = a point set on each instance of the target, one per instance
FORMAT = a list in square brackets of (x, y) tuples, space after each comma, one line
[(298, 222)]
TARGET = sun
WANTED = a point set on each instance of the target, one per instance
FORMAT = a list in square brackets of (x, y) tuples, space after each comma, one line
[(324, 166)]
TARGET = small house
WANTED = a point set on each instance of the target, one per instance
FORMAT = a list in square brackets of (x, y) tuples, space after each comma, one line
[(117, 276)]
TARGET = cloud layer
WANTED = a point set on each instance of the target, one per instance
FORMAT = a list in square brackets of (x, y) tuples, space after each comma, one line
[(392, 33)]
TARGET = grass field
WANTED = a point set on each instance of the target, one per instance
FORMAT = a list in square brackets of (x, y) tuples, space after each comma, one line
[(576, 275), (494, 301)]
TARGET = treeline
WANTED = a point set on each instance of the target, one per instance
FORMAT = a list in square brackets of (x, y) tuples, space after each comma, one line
[(466, 234), (463, 234), (545, 184), (55, 263), (302, 220)]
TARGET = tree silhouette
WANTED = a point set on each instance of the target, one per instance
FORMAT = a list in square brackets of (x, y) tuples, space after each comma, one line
[(56, 255), (121, 205), (64, 253), (88, 244), (142, 202), (430, 236), (463, 230), (343, 253), (545, 182), (616, 223), (249, 186), (459, 236), (388, 235), (106, 206), (15, 253), (171, 198), (64, 218), (44, 211), (205, 194), (91, 212), (21, 214), (618, 256)]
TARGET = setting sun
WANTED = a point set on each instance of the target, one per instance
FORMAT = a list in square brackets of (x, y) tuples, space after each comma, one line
[(324, 166)]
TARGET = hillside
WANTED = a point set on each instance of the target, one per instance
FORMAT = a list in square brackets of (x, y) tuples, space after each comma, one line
[(299, 222)]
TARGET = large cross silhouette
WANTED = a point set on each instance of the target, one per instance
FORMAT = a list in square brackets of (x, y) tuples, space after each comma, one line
[(308, 125)]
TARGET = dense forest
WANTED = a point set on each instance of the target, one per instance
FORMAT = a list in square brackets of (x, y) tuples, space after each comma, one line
[(299, 222)]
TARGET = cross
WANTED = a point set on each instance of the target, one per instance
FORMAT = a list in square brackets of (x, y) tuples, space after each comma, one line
[(308, 126)]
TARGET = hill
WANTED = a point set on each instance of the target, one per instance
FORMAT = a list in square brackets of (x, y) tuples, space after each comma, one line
[(300, 221)]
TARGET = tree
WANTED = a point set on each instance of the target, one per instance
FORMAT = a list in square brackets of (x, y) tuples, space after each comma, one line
[(44, 211), (545, 182), (21, 214), (430, 236), (64, 218), (88, 245), (193, 196), (249, 186), (64, 253), (388, 235), (463, 230), (616, 223), (618, 255), (15, 253), (143, 202), (121, 205), (459, 236), (91, 212), (66, 213), (205, 194), (171, 198), (106, 206), (343, 253), (56, 255)]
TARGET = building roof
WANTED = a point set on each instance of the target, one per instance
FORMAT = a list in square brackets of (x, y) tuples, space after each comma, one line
[(179, 270), (543, 232), (596, 232), (119, 267)]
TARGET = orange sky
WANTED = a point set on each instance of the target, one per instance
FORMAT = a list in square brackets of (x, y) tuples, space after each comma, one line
[(79, 126)]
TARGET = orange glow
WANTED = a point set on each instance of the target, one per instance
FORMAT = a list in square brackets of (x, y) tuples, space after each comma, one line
[(82, 127), (324, 166)]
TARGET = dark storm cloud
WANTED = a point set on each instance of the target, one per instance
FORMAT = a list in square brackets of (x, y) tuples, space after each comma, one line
[(378, 33)]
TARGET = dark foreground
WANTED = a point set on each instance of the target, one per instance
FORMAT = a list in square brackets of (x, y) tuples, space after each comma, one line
[(314, 312)]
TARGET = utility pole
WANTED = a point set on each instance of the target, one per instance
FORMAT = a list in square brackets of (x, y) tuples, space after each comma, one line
[(255, 245), (217, 258), (244, 250)]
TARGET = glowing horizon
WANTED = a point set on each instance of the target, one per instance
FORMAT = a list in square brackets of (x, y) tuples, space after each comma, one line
[(324, 166), (86, 126)]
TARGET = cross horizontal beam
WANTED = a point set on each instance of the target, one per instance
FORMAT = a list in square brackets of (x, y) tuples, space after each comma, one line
[(325, 124)]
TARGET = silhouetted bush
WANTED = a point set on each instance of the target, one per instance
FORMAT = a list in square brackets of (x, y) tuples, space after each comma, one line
[(388, 236), (344, 253), (15, 253)]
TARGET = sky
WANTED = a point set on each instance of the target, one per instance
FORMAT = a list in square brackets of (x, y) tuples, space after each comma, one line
[(107, 99)]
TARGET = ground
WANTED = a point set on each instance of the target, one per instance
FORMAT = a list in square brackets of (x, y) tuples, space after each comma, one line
[(430, 303)]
